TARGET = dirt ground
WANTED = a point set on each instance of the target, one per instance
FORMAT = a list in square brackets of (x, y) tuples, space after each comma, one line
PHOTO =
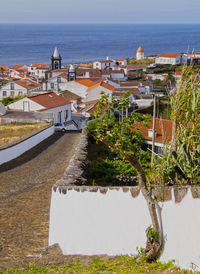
[(25, 195)]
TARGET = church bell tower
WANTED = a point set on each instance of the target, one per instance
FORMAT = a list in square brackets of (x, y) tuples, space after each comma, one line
[(56, 60)]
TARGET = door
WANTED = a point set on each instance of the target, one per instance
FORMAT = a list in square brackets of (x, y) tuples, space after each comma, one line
[(26, 106)]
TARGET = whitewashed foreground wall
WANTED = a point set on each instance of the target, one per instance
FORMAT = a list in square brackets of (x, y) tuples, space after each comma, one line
[(15, 151), (92, 223), (87, 222)]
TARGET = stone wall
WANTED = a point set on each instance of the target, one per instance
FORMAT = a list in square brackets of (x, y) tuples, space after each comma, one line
[(75, 173)]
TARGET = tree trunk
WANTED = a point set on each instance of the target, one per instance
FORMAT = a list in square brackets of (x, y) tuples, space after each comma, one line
[(152, 248)]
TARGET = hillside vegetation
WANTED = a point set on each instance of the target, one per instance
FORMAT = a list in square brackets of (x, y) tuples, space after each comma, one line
[(122, 264), (13, 132)]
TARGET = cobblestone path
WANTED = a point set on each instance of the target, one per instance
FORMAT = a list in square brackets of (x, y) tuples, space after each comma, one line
[(25, 194)]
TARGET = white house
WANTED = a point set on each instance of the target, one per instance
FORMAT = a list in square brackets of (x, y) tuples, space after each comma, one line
[(94, 92), (56, 83), (79, 86), (163, 134), (47, 103), (140, 53), (113, 74), (18, 69), (38, 71), (122, 62), (144, 86), (73, 98), (19, 87), (104, 64), (171, 59)]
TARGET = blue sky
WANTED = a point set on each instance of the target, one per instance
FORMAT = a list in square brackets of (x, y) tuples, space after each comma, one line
[(100, 11)]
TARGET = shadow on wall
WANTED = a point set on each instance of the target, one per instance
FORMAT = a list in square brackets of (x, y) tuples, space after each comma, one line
[(30, 154)]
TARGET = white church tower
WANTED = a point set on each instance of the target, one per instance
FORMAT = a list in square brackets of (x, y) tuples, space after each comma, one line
[(140, 53)]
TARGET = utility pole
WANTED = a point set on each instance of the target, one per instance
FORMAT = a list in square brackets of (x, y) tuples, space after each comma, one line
[(154, 129)]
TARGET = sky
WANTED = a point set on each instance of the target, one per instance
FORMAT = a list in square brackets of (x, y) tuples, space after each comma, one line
[(100, 11)]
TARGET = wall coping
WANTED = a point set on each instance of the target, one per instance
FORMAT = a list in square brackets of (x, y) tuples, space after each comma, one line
[(163, 195), (25, 138)]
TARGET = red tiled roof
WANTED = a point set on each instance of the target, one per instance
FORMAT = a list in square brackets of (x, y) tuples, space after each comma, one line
[(93, 73), (85, 82), (109, 71), (63, 75), (17, 66), (28, 84), (38, 65), (50, 100), (102, 84), (4, 67), (60, 70), (68, 95), (163, 130), (23, 76), (170, 55), (105, 85)]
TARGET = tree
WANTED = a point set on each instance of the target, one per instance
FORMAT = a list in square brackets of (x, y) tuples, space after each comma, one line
[(120, 137), (181, 162)]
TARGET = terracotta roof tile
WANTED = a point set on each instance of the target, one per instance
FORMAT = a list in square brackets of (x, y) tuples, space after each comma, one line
[(17, 67), (163, 130), (85, 82), (28, 84), (105, 85), (4, 67), (50, 100), (170, 55), (38, 65), (70, 95)]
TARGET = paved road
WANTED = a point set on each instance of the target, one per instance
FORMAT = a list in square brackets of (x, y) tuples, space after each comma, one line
[(25, 193)]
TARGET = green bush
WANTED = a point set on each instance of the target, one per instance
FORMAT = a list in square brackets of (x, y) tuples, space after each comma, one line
[(106, 170), (8, 100)]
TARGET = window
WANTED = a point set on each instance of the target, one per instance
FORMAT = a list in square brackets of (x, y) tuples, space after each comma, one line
[(66, 115), (12, 93), (52, 85), (4, 93), (59, 117), (20, 93), (12, 86), (58, 79)]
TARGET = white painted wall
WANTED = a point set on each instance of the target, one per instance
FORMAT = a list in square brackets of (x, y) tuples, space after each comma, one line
[(37, 107), (15, 151), (95, 93), (18, 90), (181, 59), (143, 102), (19, 105), (181, 224), (103, 65), (91, 223), (76, 88), (61, 109), (57, 85)]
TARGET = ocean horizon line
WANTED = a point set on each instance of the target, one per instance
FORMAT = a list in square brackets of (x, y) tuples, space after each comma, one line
[(92, 24)]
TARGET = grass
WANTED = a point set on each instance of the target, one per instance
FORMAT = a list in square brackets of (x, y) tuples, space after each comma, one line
[(145, 61), (122, 264), (13, 132)]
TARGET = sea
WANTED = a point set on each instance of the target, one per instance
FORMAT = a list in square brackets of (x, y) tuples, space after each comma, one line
[(35, 43)]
